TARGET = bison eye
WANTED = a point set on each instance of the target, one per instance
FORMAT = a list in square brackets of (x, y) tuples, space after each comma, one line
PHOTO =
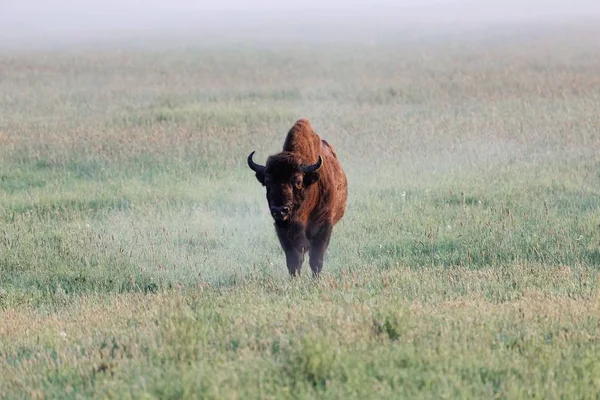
[(298, 183)]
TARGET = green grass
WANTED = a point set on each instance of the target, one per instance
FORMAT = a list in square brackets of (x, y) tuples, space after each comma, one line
[(137, 258)]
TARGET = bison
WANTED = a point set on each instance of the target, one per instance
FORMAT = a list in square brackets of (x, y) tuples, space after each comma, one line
[(307, 192)]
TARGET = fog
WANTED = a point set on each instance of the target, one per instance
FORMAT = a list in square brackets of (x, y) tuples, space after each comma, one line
[(26, 23)]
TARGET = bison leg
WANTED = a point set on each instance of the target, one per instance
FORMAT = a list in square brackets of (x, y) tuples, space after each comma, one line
[(318, 246), (294, 244), (294, 259)]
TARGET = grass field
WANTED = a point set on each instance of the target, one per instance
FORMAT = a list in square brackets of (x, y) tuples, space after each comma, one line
[(138, 259)]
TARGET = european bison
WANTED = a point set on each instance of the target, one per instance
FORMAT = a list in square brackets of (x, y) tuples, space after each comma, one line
[(307, 192)]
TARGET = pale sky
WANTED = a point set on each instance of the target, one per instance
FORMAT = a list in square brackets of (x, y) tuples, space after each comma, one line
[(39, 20)]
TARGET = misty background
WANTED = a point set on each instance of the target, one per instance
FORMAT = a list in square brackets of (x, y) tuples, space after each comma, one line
[(39, 23)]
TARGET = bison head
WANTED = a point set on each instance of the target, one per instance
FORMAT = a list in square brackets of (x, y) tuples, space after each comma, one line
[(286, 179)]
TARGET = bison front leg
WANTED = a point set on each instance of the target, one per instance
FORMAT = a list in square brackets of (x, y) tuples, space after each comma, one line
[(294, 259), (318, 247), (294, 244)]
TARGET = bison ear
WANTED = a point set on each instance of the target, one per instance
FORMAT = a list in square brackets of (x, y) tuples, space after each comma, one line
[(260, 176), (311, 178)]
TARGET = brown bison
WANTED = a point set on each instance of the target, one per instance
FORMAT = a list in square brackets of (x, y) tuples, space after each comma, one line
[(307, 192)]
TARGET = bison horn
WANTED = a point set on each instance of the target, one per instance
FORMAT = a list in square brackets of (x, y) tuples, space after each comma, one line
[(254, 166), (314, 167)]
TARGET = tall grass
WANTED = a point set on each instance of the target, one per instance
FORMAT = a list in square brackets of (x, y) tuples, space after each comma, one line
[(137, 258)]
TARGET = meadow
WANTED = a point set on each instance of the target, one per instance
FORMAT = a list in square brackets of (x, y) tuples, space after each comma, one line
[(138, 258)]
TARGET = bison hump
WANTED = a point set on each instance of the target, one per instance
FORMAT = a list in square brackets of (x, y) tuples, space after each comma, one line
[(303, 140), (330, 147)]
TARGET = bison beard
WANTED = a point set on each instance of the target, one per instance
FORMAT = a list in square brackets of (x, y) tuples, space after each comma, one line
[(307, 192)]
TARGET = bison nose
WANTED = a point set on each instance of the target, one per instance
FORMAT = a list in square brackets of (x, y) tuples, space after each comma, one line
[(279, 212)]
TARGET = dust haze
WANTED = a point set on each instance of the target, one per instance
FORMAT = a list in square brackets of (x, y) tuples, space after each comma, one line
[(38, 23)]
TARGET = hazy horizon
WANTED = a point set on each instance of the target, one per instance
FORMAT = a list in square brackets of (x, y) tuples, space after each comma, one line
[(38, 23)]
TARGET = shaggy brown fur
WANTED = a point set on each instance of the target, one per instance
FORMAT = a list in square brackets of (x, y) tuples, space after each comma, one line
[(305, 204)]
